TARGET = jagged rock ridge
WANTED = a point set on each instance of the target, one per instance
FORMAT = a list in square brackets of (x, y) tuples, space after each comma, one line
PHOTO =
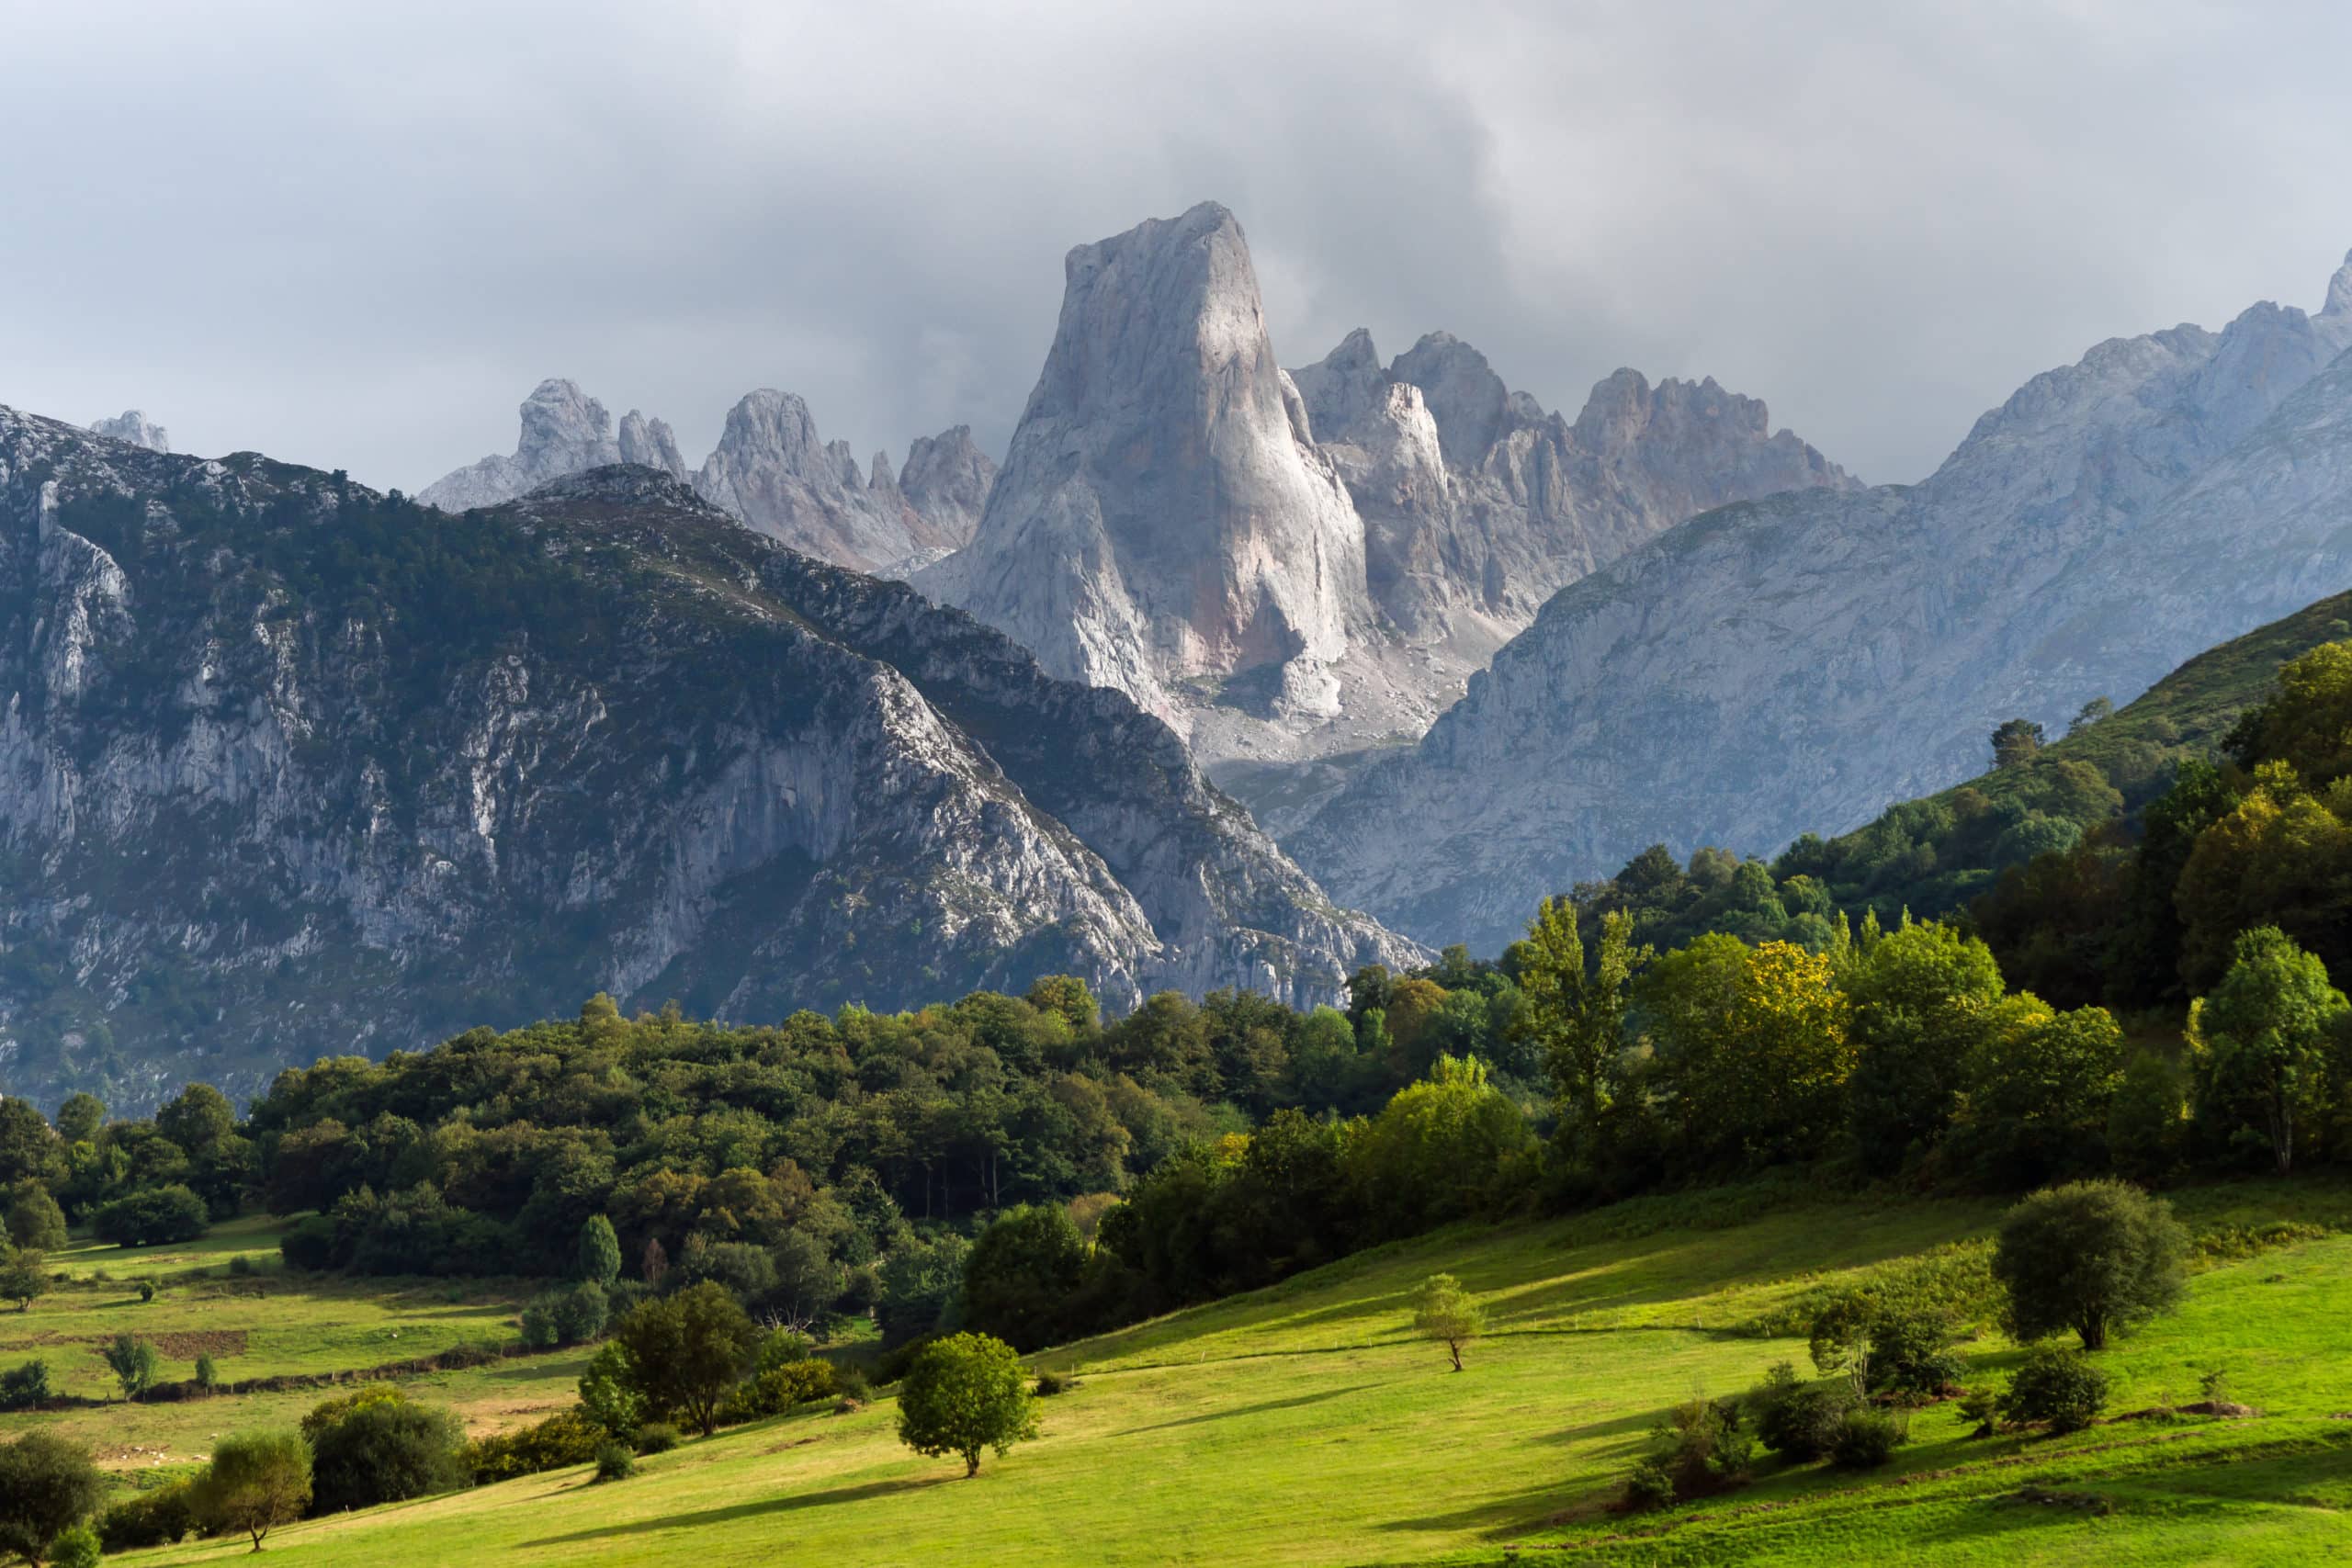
[(134, 427), (287, 768), (1295, 566), (770, 470), (1797, 663)]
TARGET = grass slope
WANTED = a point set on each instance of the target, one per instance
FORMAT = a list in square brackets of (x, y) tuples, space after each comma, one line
[(263, 1324), (1302, 1425)]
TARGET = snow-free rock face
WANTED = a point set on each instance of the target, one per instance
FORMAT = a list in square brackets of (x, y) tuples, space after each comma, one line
[(649, 443), (134, 427), (564, 432), (771, 470), (1293, 569), (1799, 662), (666, 757), (1162, 516)]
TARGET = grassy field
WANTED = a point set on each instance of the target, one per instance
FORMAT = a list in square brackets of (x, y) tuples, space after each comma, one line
[(1302, 1425), (262, 1324)]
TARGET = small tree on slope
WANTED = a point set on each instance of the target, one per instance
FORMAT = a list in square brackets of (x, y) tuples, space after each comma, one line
[(963, 1393), (1446, 1312)]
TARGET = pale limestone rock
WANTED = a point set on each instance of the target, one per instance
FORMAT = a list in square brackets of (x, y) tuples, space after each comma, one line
[(134, 427)]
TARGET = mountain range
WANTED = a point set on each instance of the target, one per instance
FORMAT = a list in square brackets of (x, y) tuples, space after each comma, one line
[(1797, 662), (770, 470), (290, 768)]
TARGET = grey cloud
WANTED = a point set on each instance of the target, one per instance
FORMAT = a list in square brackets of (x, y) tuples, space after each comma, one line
[(359, 239)]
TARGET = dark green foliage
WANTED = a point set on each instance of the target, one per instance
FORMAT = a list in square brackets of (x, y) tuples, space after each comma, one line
[(600, 1252), (1701, 1449), (383, 1451), (2094, 1256), (1049, 1384), (777, 1389), (657, 1438), (565, 1317), (1920, 997), (2016, 742), (965, 1394), (146, 1289), (1798, 1419), (160, 1517), (24, 1386), (2058, 1386), (686, 1351), (34, 1219), (30, 1149), (565, 1438), (47, 1487), (169, 1212), (1021, 1273), (2265, 1034), (609, 1394), (1869, 1439), (24, 1278), (615, 1462)]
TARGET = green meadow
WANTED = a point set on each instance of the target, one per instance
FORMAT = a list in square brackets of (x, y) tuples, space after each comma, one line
[(1305, 1425)]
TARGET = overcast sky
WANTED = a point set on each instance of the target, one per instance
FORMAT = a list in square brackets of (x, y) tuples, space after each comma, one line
[(356, 236)]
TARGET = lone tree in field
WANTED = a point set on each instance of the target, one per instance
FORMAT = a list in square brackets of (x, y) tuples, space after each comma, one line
[(22, 1279), (1446, 1312), (963, 1393), (47, 1487), (2094, 1256), (133, 1363), (256, 1479), (687, 1351)]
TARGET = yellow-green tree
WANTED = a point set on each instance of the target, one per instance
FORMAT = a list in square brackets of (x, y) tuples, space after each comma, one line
[(1576, 1014), (1752, 1049)]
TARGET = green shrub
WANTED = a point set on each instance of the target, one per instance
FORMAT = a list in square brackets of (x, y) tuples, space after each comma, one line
[(383, 1451), (240, 1266), (160, 1517), (850, 1382), (566, 1438), (1868, 1438), (615, 1462), (309, 1244), (21, 1388), (75, 1548), (132, 1361), (146, 1289), (2094, 1256), (778, 1390), (1699, 1450), (1797, 1419), (156, 1215), (608, 1391), (47, 1487), (1980, 1407), (564, 1317), (657, 1438), (208, 1376), (1052, 1383), (2057, 1384), (1650, 1486)]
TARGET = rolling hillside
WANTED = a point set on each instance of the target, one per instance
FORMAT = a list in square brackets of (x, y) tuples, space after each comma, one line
[(1161, 1452)]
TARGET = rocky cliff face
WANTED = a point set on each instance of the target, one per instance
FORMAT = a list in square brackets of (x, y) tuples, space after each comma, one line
[(1304, 567), (564, 432), (770, 470), (134, 427), (288, 768), (1798, 662), (1163, 516)]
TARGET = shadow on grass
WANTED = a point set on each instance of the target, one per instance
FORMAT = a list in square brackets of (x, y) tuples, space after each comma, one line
[(1246, 1410), (864, 1492), (1521, 1513)]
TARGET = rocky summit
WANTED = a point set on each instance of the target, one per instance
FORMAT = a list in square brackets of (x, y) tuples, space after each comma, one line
[(134, 427), (770, 470), (290, 768), (1797, 663), (1300, 567)]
